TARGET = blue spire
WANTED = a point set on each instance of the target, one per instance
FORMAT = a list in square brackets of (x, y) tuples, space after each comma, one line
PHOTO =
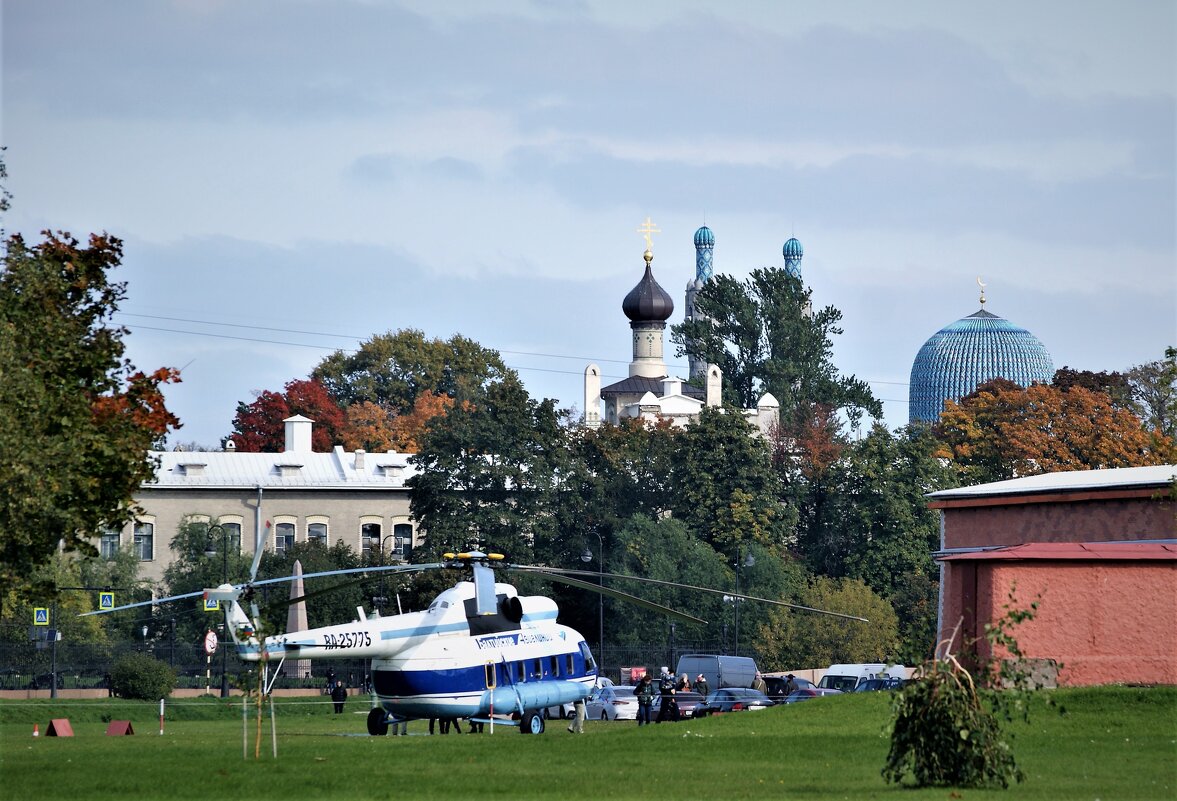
[(793, 252), (704, 245)]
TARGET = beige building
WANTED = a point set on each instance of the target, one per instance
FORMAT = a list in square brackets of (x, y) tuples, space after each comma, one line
[(343, 496)]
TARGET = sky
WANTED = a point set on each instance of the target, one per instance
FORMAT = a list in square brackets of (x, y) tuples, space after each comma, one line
[(293, 177)]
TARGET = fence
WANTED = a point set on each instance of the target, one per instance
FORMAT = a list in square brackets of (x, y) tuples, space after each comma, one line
[(25, 666)]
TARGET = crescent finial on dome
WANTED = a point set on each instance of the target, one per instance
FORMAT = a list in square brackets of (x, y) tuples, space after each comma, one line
[(981, 284)]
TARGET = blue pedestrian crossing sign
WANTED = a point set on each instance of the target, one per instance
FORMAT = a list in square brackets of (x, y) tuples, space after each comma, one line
[(106, 600), (40, 616), (212, 606)]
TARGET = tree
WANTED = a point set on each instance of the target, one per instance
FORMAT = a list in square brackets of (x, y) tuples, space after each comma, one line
[(258, 426), (792, 638), (1115, 385), (1002, 430), (765, 337), (391, 370), (489, 473), (1154, 393), (76, 418), (724, 487)]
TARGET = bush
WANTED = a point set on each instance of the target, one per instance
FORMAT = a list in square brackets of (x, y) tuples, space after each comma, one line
[(142, 676)]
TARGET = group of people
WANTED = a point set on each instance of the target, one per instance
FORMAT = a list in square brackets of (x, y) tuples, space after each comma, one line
[(665, 689)]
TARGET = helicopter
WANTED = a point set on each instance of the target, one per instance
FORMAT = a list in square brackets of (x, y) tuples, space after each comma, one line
[(479, 651)]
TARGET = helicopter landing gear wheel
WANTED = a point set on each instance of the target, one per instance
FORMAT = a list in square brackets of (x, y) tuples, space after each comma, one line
[(377, 722), (532, 723)]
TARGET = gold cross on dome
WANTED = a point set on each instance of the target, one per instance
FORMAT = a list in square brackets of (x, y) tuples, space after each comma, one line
[(646, 229)]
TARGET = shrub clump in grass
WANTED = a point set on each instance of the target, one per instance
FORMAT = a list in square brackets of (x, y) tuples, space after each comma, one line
[(946, 729), (143, 677), (945, 736)]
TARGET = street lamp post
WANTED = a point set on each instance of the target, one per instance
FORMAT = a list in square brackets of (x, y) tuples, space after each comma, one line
[(587, 556), (210, 551), (747, 561)]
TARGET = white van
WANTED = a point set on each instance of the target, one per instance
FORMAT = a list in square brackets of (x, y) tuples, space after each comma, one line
[(720, 670), (847, 677)]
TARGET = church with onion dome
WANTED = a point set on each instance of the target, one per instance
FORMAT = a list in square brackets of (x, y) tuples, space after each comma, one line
[(650, 392), (967, 353)]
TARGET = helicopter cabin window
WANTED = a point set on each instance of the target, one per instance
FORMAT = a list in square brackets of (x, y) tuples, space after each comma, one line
[(283, 537), (490, 675), (521, 671), (555, 665), (538, 666), (569, 665)]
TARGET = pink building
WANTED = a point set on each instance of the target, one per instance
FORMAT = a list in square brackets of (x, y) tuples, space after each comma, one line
[(1097, 548)]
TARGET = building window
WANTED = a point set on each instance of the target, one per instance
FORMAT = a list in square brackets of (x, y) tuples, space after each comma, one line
[(317, 532), (232, 535), (145, 541), (109, 546), (369, 538), (402, 541), (283, 537)]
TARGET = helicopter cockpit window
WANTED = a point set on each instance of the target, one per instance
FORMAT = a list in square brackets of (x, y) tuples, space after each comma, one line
[(589, 664)]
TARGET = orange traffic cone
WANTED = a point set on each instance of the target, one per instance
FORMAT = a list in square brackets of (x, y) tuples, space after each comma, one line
[(36, 731)]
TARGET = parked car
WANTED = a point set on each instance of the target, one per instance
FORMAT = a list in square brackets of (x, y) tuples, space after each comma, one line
[(776, 686), (568, 710), (687, 703), (812, 691), (612, 703), (875, 685), (847, 677), (732, 699)]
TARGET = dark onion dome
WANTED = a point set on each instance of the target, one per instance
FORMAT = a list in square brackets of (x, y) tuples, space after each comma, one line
[(647, 302), (704, 238), (969, 352)]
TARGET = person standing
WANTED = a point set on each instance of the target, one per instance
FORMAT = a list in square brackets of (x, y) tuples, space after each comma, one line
[(758, 683), (339, 696), (701, 686), (666, 691), (645, 693), (577, 724)]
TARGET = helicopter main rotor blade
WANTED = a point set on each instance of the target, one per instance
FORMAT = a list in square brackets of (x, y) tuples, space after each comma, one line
[(725, 593), (152, 602), (609, 591)]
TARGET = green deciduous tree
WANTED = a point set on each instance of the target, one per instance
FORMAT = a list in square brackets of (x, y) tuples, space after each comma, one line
[(724, 487), (792, 638), (76, 418), (1154, 393), (489, 474), (765, 337), (392, 369)]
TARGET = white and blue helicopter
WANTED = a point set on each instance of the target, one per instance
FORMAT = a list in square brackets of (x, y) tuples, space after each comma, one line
[(480, 651)]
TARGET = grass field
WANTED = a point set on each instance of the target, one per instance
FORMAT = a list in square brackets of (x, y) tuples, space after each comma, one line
[(1114, 743)]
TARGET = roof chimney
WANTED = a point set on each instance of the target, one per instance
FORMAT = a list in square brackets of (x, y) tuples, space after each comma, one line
[(298, 434)]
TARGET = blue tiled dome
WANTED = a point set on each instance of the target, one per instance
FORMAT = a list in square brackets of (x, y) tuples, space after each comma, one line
[(704, 238), (793, 252), (969, 352)]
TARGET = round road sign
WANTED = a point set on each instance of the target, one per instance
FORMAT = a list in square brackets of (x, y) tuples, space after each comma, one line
[(210, 643)]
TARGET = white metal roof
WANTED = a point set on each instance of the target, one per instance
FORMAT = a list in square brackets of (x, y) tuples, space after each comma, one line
[(303, 469), (1069, 481)]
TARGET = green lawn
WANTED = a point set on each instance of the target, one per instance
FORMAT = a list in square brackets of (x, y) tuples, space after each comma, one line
[(1113, 743)]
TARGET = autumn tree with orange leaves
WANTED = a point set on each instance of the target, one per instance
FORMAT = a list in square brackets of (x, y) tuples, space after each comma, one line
[(1002, 430), (258, 427), (77, 419)]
